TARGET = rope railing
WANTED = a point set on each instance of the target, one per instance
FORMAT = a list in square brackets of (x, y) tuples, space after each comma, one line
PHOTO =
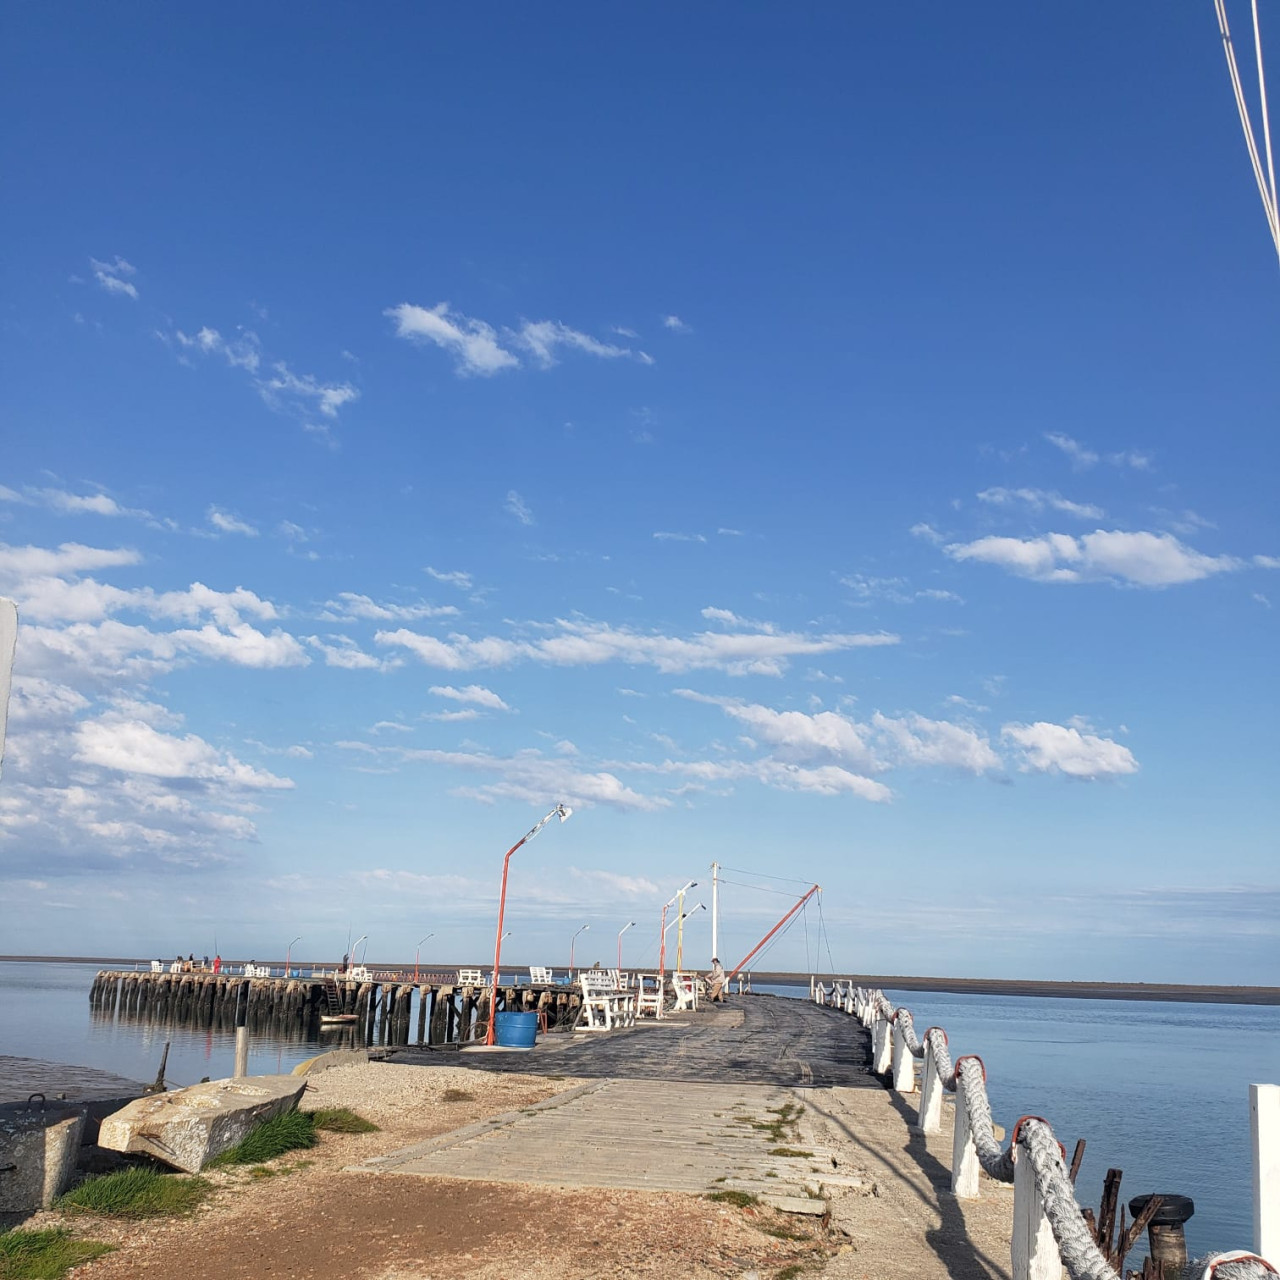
[(1049, 1229)]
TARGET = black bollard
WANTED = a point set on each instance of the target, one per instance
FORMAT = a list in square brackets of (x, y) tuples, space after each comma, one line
[(1165, 1232)]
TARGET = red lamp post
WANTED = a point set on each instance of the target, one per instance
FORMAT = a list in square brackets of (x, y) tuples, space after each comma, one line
[(562, 812)]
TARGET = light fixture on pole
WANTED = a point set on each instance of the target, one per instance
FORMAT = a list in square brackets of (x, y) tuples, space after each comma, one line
[(662, 932), (351, 955), (572, 940), (621, 931), (364, 957), (562, 812), (417, 952), (287, 950)]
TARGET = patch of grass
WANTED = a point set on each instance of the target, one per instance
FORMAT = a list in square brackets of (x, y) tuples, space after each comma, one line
[(136, 1193), (261, 1171), (341, 1120), (44, 1255), (287, 1132), (457, 1095), (739, 1199), (792, 1151)]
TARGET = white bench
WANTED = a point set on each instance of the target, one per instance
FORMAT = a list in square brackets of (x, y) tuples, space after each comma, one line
[(649, 994), (157, 967), (470, 978), (685, 986), (256, 971), (604, 1005), (541, 976)]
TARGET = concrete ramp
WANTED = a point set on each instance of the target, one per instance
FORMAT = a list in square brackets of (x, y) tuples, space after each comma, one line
[(644, 1135)]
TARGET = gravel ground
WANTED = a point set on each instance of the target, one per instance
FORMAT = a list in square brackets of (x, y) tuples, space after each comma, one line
[(311, 1218)]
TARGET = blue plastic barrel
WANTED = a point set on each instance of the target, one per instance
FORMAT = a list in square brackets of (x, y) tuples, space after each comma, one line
[(517, 1030)]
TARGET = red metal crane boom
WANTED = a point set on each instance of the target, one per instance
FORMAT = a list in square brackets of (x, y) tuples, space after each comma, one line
[(817, 888)]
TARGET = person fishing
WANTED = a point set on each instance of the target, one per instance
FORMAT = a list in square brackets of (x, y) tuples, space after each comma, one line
[(715, 980)]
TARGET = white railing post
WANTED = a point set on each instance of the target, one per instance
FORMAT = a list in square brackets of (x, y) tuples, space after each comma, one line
[(811, 986), (882, 1048), (929, 1119), (964, 1155), (904, 1065), (1264, 1114), (1034, 1250)]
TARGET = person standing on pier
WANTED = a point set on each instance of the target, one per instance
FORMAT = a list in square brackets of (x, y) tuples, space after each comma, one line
[(217, 964), (716, 981)]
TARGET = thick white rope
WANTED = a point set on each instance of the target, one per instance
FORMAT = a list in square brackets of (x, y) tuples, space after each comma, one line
[(1265, 190), (1081, 1256)]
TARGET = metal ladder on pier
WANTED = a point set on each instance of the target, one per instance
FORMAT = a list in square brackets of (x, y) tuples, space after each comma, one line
[(332, 998)]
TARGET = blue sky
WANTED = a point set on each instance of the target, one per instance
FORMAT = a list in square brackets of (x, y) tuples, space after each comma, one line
[(836, 442)]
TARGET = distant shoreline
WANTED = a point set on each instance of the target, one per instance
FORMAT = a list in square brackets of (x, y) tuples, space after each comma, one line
[(1182, 993)]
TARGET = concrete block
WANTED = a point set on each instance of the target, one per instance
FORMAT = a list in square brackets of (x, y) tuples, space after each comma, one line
[(42, 1147), (189, 1127), (796, 1204)]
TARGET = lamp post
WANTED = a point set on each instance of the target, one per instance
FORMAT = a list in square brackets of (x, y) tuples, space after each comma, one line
[(417, 952), (572, 940), (621, 931), (351, 959), (287, 950), (562, 812), (365, 940), (662, 933)]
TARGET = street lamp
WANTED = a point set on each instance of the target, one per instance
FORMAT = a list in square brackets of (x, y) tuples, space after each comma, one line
[(621, 931), (417, 952), (571, 942), (662, 933), (287, 950), (351, 959), (562, 812)]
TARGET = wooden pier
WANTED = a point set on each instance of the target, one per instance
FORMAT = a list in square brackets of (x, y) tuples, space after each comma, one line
[(384, 1010)]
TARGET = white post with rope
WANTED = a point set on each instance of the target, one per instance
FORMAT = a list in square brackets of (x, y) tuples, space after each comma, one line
[(882, 1047), (1264, 1114), (904, 1065), (1034, 1250), (929, 1119), (964, 1155)]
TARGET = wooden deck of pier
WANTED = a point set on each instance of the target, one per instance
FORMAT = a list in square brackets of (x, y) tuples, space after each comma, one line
[(751, 1040)]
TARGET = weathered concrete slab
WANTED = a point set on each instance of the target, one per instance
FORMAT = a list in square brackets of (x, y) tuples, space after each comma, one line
[(189, 1127), (42, 1147), (643, 1135)]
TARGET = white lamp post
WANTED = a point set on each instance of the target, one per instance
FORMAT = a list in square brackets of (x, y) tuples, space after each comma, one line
[(662, 933), (621, 931), (572, 940), (287, 952)]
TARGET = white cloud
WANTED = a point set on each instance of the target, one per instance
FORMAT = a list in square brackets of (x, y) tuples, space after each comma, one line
[(581, 643), (914, 739), (343, 652), (675, 324), (1038, 500), (478, 349), (455, 577), (70, 557), (1056, 748), (450, 717), (1267, 562), (133, 746), (1130, 458), (473, 344), (349, 606), (1081, 457), (542, 337), (224, 522), (517, 507), (473, 693), (1140, 558), (114, 276), (244, 646), (680, 537), (243, 352), (927, 532), (285, 386), (530, 776)]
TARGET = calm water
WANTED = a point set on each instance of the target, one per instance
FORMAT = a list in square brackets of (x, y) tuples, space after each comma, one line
[(1158, 1090)]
